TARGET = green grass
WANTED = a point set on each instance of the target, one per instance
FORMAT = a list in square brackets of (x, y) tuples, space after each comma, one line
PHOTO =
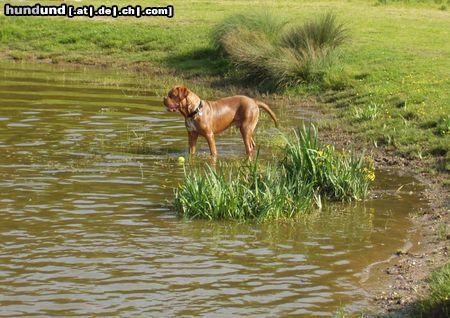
[(239, 192), (398, 59), (333, 174), (262, 21), (308, 173), (437, 303)]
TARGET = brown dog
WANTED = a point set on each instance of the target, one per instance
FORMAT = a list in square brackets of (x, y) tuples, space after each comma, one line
[(207, 118)]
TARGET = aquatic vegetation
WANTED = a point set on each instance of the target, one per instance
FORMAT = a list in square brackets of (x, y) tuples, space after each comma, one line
[(335, 175), (240, 192), (308, 172)]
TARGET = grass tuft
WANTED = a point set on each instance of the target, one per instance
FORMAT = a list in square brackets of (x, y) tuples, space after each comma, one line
[(322, 34), (366, 113), (307, 173), (264, 50), (258, 21), (238, 192), (250, 52), (334, 175)]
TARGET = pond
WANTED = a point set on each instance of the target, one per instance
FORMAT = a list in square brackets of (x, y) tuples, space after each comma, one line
[(87, 171)]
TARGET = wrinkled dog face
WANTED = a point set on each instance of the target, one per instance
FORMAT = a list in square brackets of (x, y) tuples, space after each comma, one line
[(176, 99)]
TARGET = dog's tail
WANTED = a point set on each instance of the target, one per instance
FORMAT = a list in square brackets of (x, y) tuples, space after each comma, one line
[(268, 110)]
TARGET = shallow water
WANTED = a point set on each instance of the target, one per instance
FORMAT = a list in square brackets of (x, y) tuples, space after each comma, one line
[(87, 170)]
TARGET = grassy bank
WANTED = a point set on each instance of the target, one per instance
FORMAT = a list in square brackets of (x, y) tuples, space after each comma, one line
[(307, 173), (393, 75)]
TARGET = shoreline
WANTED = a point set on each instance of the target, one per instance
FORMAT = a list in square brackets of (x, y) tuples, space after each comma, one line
[(400, 282)]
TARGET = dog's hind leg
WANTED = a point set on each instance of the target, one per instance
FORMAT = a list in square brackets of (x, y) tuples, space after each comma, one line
[(211, 143), (247, 136)]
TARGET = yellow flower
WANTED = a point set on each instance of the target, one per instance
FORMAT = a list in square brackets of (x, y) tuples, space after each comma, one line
[(369, 174)]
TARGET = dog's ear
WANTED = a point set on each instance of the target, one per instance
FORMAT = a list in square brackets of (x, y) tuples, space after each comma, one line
[(183, 92)]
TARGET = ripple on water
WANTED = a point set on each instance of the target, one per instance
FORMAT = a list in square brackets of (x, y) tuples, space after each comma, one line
[(31, 144), (19, 125)]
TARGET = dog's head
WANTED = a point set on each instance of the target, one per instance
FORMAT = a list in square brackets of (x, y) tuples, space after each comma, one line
[(176, 99)]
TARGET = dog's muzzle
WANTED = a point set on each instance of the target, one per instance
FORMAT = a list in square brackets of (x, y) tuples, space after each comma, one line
[(170, 105)]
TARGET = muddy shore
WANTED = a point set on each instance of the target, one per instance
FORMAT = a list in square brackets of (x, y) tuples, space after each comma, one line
[(397, 284)]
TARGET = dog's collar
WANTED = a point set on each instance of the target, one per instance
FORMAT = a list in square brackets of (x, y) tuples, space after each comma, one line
[(197, 110)]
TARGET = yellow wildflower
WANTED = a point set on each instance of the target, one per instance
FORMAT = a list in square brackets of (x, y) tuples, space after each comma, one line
[(369, 174)]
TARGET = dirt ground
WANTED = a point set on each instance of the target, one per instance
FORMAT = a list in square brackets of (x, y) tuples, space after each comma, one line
[(402, 281)]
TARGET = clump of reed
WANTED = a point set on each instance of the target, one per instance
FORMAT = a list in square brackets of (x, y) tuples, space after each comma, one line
[(307, 173), (277, 54), (239, 192), (334, 175)]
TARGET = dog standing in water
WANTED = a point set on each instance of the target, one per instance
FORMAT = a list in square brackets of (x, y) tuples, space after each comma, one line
[(208, 118)]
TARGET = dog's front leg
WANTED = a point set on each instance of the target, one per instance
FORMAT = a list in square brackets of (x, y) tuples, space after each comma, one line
[(211, 143), (193, 136)]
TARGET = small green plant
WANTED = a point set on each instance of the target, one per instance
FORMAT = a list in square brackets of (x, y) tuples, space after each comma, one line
[(437, 304), (442, 231), (366, 113), (340, 313), (443, 126)]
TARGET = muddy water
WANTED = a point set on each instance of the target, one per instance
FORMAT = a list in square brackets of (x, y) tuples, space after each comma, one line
[(87, 168)]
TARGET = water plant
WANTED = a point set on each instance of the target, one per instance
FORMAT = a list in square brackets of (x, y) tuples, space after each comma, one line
[(307, 173), (240, 192), (335, 175)]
